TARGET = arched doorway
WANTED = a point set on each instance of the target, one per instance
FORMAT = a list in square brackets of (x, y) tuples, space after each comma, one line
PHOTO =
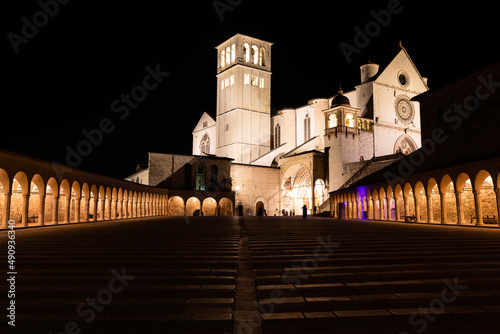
[(259, 209)]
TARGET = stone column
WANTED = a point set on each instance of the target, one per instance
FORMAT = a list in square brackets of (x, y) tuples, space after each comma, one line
[(67, 209), (417, 208), (41, 211), (479, 208), (25, 210), (371, 209), (6, 209), (460, 207), (444, 216), (78, 203), (398, 209), (430, 211), (388, 208), (383, 209), (96, 201), (86, 208), (114, 208), (497, 193), (55, 209), (406, 202)]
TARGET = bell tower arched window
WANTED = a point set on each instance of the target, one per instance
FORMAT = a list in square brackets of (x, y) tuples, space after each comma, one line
[(223, 59), (262, 60), (255, 54), (246, 52)]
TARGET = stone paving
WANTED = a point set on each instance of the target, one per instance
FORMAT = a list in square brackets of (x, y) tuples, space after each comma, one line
[(271, 275)]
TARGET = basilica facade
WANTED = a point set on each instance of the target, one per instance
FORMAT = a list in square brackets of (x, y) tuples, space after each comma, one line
[(297, 156)]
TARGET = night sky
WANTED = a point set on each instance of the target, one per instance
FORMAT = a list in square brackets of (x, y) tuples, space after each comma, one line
[(64, 77)]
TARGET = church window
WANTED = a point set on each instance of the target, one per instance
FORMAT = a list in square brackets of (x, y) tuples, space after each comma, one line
[(233, 53), (228, 56), (277, 136), (307, 127), (223, 58), (403, 79), (232, 80), (247, 79), (205, 124), (255, 54), (332, 121), (262, 61), (200, 177), (261, 83), (349, 120), (205, 144), (246, 51)]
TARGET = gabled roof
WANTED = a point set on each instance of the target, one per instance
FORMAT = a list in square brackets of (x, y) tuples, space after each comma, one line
[(205, 117)]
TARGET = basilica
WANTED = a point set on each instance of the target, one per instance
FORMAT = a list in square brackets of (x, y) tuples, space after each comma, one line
[(279, 163)]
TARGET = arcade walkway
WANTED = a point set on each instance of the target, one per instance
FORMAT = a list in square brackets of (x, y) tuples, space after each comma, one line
[(222, 275)]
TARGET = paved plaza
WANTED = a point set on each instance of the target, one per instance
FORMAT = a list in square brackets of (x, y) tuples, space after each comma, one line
[(251, 275)]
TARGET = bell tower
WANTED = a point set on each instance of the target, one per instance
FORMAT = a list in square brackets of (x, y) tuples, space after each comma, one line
[(243, 98)]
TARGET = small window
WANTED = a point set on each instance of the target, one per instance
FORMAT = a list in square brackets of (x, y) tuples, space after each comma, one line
[(233, 53), (205, 124), (349, 120), (307, 127), (332, 121)]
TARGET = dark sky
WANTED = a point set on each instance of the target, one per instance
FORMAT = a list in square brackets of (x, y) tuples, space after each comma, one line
[(65, 76)]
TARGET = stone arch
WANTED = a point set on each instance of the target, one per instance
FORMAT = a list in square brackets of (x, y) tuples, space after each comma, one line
[(485, 197), (226, 207), (64, 201), (36, 201), (51, 202), (433, 201), (465, 199), (209, 207), (176, 206), (19, 199), (193, 207), (409, 200), (448, 200)]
